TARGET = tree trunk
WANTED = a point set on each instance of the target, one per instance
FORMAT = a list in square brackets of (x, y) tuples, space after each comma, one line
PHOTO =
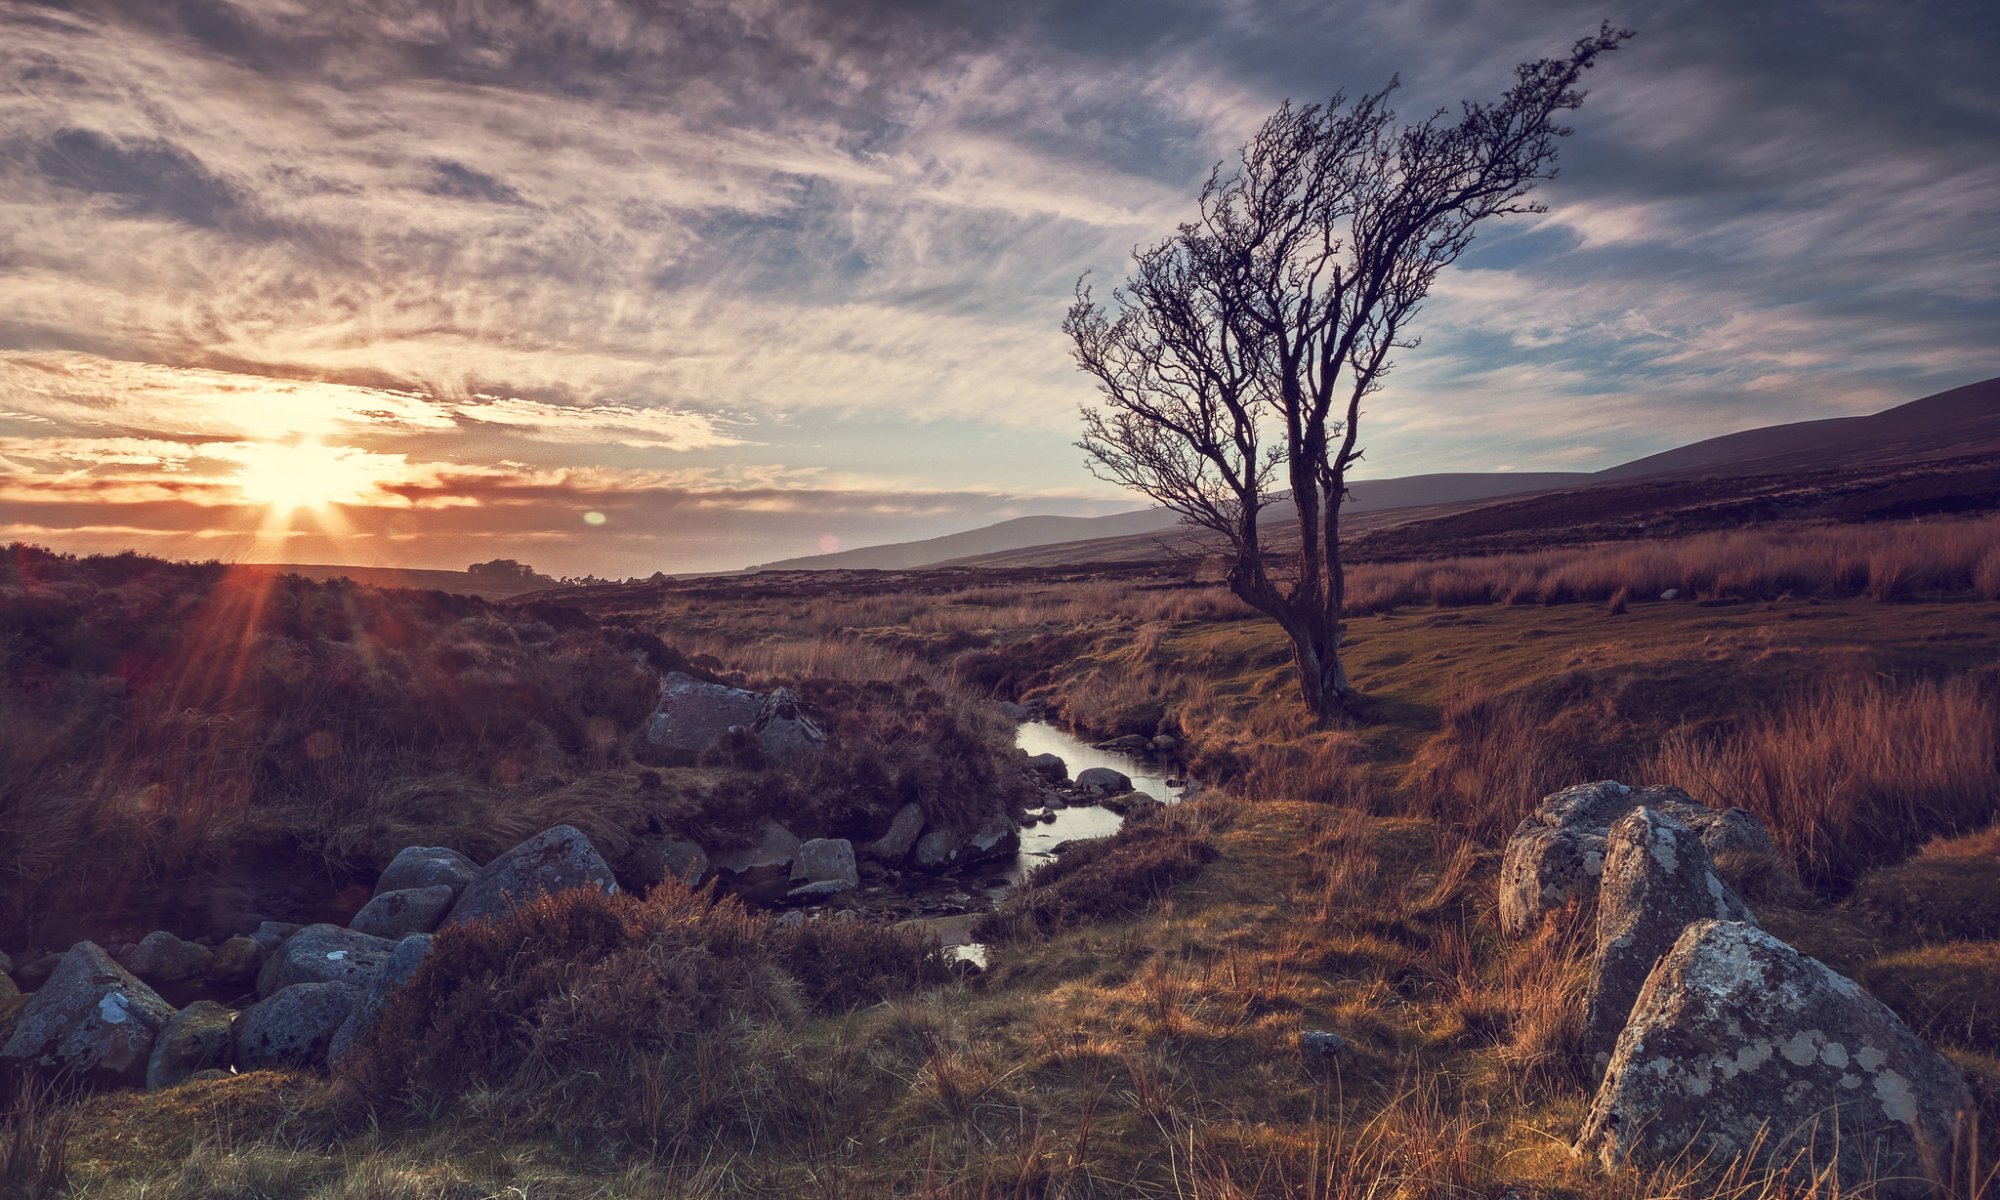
[(1322, 676)]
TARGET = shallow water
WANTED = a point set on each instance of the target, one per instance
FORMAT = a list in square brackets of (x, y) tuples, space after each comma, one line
[(1038, 842)]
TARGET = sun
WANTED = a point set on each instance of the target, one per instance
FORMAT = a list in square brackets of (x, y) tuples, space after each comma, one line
[(287, 476)]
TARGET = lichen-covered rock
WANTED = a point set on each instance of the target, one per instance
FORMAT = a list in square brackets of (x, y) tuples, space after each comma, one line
[(1049, 766), (693, 715), (401, 967), (1557, 851), (323, 954), (92, 1018), (783, 730), (427, 866), (894, 844), (1657, 881), (294, 1026), (1103, 781), (658, 858), (160, 957), (823, 867), (196, 1039), (1737, 1037), (554, 860), (236, 962), (396, 915)]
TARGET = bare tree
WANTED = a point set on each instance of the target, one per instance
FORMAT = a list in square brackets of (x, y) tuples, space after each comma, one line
[(1234, 360)]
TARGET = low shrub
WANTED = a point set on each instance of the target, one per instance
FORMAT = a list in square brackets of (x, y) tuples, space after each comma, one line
[(1102, 879), (1948, 992), (1948, 892)]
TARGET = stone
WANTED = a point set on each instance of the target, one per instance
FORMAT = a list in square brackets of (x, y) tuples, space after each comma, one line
[(404, 960), (196, 1039), (1125, 802), (1165, 743), (1557, 852), (661, 858), (1324, 1043), (294, 1026), (1049, 767), (791, 920), (692, 715), (995, 837), (6, 964), (783, 730), (1671, 594), (160, 957), (323, 954), (773, 851), (92, 1018), (1735, 1034), (823, 867), (272, 934), (894, 844), (1012, 711), (236, 961), (396, 915), (427, 866), (554, 860), (8, 989), (1657, 881), (1130, 743), (36, 971), (1103, 781)]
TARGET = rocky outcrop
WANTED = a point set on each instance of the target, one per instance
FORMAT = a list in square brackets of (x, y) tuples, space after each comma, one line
[(1657, 881), (693, 715), (160, 957), (554, 860), (198, 1038), (894, 844), (293, 1026), (92, 1019), (396, 915), (1103, 781), (323, 954), (1557, 852), (823, 867), (401, 967), (1741, 1046), (425, 867), (782, 729)]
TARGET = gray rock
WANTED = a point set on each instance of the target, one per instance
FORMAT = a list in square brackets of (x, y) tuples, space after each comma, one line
[(660, 858), (408, 955), (272, 934), (1671, 594), (693, 715), (1049, 767), (1165, 744), (1130, 743), (294, 1026), (554, 860), (396, 915), (1125, 802), (1012, 711), (36, 971), (160, 957), (1324, 1043), (894, 844), (1557, 852), (92, 1018), (236, 961), (791, 920), (784, 731), (427, 866), (1736, 1033), (996, 836), (196, 1039), (774, 851), (323, 954), (8, 990), (6, 964), (1103, 781), (1657, 881), (824, 867)]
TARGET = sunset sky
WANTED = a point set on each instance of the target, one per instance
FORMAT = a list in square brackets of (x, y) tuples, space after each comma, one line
[(614, 286)]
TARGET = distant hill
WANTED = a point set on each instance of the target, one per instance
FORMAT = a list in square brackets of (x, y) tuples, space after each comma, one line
[(1146, 527), (397, 577)]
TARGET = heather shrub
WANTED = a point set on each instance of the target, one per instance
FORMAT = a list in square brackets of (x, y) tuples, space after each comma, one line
[(1102, 879)]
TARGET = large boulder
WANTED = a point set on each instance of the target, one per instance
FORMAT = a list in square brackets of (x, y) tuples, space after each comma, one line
[(323, 954), (1103, 781), (554, 860), (1049, 766), (272, 934), (694, 715), (1557, 851), (783, 730), (401, 967), (1657, 881), (1741, 1046), (658, 858), (92, 1018), (396, 915), (427, 866), (197, 1039), (997, 836), (894, 844), (236, 962), (824, 867), (294, 1026), (160, 957), (768, 859)]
